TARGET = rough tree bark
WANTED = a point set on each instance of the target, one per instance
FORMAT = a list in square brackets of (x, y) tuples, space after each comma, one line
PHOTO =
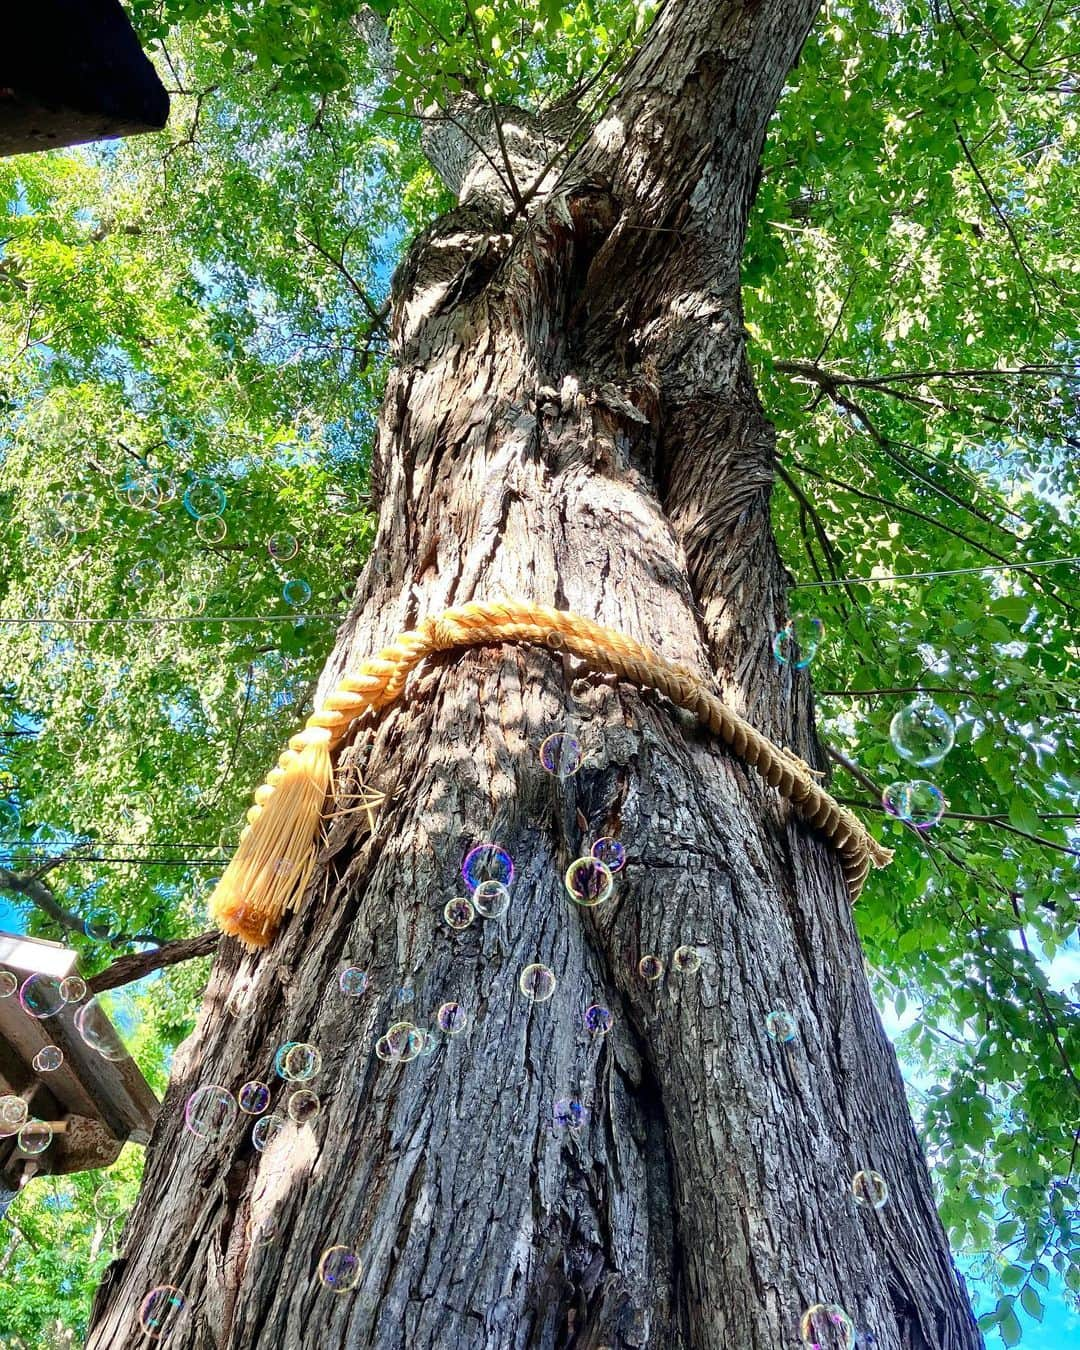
[(570, 419)]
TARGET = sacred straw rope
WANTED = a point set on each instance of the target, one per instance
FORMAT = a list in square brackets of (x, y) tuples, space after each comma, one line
[(276, 854)]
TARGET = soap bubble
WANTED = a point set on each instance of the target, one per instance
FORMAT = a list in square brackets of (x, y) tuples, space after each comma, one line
[(796, 645), (922, 732), (297, 1061), (40, 996), (610, 852), (569, 1114), (48, 1059), (204, 498), (561, 755), (491, 899), (73, 989), (253, 1098), (265, 1130), (106, 1021), (35, 1136), (487, 862), (192, 602), (650, 968), (780, 1025), (9, 820), (537, 982), (296, 592), (459, 912), (145, 575), (107, 1203), (78, 511), (13, 1113), (161, 1310), (304, 1105), (870, 1190), (282, 546), (101, 925), (919, 802), (139, 491), (588, 881), (686, 960), (452, 1018), (404, 994), (211, 529), (210, 1111), (402, 1042), (430, 1040), (599, 1019), (826, 1326), (339, 1269), (9, 982), (353, 982)]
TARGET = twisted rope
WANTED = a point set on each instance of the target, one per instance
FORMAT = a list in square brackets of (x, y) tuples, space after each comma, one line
[(277, 850)]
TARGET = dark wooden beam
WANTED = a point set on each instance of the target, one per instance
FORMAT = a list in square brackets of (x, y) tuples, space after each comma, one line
[(73, 71)]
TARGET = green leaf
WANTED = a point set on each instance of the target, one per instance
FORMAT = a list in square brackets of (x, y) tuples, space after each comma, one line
[(1031, 1303)]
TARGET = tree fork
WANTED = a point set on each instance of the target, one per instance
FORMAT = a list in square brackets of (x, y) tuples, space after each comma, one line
[(570, 419)]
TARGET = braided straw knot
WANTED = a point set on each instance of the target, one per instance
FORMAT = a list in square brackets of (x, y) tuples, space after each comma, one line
[(275, 859)]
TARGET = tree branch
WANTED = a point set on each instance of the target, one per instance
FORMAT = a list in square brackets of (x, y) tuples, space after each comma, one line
[(128, 969)]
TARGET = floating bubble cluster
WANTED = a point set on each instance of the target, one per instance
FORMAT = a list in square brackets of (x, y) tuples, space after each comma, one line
[(282, 546), (339, 1269), (826, 1326), (253, 1098), (40, 996), (570, 1114), (459, 912), (35, 1136), (491, 899), (919, 802), (48, 1059), (401, 1042), (297, 1061), (9, 982), (161, 1311), (686, 960), (650, 968), (487, 862), (870, 1190), (561, 755), (537, 982), (304, 1106), (588, 881), (452, 1019), (598, 1019), (922, 733), (610, 852), (780, 1025), (353, 982), (210, 1111), (796, 644), (265, 1130)]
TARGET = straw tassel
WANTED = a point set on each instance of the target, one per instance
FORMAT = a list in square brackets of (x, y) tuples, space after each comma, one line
[(271, 869)]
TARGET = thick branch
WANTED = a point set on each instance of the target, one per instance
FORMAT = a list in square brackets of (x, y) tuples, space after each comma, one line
[(127, 969)]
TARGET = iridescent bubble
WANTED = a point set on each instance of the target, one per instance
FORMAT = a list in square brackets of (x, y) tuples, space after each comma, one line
[(304, 1106), (561, 755), (922, 732), (402, 1042), (826, 1326), (101, 925), (282, 546), (40, 996), (211, 529), (253, 1098), (537, 982), (9, 982), (297, 1061), (599, 1020), (781, 1025), (570, 1114), (452, 1019), (650, 968), (296, 592), (491, 899), (140, 491), (353, 982), (796, 645), (265, 1130), (404, 994), (13, 1113), (103, 1022), (459, 912), (430, 1040), (145, 575), (870, 1190), (192, 602), (610, 852), (487, 862), (178, 429), (686, 960), (919, 802), (48, 1059), (210, 1111), (339, 1269), (9, 820), (35, 1136), (78, 511), (588, 881), (107, 1203), (204, 498), (73, 988), (162, 1310)]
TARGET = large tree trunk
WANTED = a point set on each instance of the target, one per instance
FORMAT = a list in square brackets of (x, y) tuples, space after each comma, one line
[(570, 421)]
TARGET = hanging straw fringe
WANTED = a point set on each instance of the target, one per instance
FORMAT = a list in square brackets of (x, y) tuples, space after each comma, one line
[(273, 864)]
